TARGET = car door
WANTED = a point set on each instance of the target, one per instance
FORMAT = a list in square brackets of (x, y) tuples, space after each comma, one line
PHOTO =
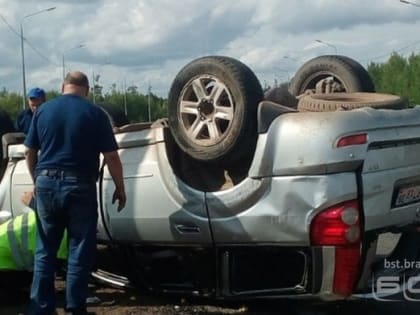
[(160, 207)]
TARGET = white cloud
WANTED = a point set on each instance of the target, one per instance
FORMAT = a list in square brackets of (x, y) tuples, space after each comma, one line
[(147, 42)]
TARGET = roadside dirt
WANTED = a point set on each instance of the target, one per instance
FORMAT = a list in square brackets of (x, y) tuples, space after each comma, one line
[(129, 302), (112, 301), (107, 300), (14, 297)]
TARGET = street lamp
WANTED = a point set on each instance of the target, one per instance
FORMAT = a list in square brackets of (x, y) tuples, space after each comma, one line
[(410, 3), (75, 47), (95, 79), (327, 44), (23, 51)]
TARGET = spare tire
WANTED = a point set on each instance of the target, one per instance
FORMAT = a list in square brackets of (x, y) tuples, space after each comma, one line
[(213, 108), (348, 101), (331, 73)]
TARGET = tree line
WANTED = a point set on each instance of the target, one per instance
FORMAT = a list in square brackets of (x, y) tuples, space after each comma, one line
[(132, 103), (398, 75)]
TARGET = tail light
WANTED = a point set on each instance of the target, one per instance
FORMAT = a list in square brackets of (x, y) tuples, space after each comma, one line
[(340, 226), (352, 140)]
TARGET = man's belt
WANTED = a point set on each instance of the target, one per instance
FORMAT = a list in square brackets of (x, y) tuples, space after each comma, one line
[(65, 174)]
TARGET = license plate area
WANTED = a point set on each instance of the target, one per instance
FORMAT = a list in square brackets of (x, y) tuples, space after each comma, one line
[(405, 195)]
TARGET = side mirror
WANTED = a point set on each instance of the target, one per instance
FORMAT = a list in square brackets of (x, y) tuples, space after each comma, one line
[(9, 139)]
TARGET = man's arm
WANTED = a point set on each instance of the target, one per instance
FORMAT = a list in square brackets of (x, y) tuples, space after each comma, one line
[(112, 159), (28, 199), (31, 156)]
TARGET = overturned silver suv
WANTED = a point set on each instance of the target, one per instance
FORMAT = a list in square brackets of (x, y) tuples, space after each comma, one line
[(238, 195)]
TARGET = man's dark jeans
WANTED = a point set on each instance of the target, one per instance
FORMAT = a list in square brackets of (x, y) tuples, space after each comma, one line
[(63, 202)]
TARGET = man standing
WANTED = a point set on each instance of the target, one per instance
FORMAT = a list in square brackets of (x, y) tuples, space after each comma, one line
[(36, 97), (70, 133)]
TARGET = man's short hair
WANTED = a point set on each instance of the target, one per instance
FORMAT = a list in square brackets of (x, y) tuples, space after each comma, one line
[(76, 78)]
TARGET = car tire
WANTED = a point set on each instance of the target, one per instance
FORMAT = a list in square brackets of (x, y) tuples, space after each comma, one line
[(348, 101), (116, 116), (282, 96), (347, 76), (6, 125), (213, 109)]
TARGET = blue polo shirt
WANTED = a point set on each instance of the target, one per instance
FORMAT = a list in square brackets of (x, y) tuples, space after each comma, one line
[(23, 120), (70, 132)]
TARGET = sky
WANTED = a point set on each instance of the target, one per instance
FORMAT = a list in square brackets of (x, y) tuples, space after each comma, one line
[(145, 43)]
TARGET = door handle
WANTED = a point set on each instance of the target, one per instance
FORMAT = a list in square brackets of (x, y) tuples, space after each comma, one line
[(184, 229)]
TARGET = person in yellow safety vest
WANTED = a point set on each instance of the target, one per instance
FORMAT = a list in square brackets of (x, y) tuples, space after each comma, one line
[(17, 240)]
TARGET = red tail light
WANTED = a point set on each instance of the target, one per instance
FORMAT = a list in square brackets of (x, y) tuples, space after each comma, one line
[(347, 262), (337, 225), (352, 140), (340, 226)]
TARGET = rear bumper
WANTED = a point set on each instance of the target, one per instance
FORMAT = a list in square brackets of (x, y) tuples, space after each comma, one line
[(257, 271), (264, 272)]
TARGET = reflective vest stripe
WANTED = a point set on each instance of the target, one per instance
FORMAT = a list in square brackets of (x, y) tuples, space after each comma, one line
[(14, 246), (20, 241), (21, 253), (26, 254)]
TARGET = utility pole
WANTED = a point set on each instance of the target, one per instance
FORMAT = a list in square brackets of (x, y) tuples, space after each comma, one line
[(64, 52), (93, 87), (125, 96), (149, 89), (22, 52)]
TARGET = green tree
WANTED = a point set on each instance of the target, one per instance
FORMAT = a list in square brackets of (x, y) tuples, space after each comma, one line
[(398, 75), (11, 102)]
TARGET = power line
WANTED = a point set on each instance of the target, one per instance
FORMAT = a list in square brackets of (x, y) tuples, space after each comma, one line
[(27, 42), (9, 26), (395, 50), (40, 54)]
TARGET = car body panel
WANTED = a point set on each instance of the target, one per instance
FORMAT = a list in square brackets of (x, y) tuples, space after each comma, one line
[(160, 208), (306, 142), (297, 171), (390, 155), (281, 210)]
